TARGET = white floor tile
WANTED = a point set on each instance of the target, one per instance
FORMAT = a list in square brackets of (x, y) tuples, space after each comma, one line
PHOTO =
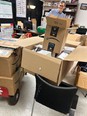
[(24, 105)]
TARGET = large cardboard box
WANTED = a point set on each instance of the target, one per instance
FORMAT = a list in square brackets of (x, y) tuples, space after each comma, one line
[(10, 62), (12, 83), (51, 68), (56, 33)]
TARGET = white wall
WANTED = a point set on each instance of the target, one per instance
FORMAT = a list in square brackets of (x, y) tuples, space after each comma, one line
[(81, 17)]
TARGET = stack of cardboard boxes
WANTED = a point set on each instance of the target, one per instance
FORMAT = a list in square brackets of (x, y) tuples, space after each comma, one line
[(10, 68), (11, 72)]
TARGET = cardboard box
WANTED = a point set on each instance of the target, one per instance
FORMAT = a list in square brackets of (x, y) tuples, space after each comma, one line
[(81, 80), (85, 40), (72, 43), (49, 67), (52, 68), (56, 33), (59, 22), (10, 63), (12, 83), (76, 38)]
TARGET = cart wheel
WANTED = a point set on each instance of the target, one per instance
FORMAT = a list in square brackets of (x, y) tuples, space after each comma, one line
[(14, 99), (25, 73)]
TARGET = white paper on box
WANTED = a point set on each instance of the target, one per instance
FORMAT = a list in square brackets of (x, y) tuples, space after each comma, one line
[(5, 52), (68, 49), (44, 52), (63, 55)]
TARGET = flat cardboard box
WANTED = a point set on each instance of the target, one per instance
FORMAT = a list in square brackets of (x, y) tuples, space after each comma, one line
[(12, 83), (76, 38), (72, 43), (56, 33), (51, 68), (9, 64)]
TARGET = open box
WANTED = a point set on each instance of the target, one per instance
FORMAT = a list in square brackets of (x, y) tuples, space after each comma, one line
[(51, 68)]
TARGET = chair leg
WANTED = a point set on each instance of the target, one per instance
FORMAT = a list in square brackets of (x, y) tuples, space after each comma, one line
[(83, 93), (72, 112), (32, 108)]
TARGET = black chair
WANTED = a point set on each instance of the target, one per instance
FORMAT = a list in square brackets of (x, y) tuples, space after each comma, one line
[(59, 98)]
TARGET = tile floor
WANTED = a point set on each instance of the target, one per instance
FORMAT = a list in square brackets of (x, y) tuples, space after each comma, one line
[(24, 105)]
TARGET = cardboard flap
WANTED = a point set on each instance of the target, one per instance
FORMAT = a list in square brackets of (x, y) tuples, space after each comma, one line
[(29, 41), (59, 22), (16, 43), (79, 54), (8, 42)]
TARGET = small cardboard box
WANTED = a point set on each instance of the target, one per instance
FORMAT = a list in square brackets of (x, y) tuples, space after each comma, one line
[(72, 43), (85, 40), (12, 83), (76, 38), (51, 68), (56, 33), (81, 80)]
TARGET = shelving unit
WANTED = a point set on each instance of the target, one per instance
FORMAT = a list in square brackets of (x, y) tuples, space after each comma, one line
[(70, 11)]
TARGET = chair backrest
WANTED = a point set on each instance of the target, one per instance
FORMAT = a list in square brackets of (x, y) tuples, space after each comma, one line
[(59, 98)]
